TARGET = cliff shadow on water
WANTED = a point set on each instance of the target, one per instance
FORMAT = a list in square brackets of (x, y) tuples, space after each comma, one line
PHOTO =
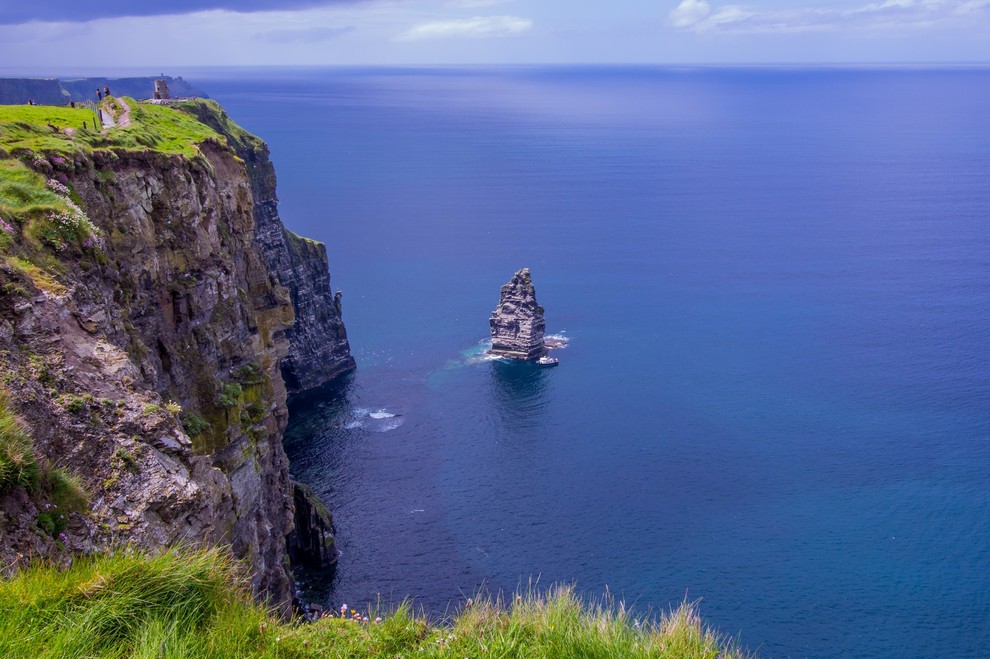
[(310, 414)]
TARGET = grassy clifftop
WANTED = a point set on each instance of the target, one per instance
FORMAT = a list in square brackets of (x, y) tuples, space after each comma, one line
[(190, 604), (41, 146), (153, 127)]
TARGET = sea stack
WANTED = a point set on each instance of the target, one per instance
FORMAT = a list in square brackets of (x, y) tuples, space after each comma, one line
[(517, 322)]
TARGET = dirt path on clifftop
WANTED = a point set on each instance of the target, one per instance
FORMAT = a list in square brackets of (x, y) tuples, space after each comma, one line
[(121, 120)]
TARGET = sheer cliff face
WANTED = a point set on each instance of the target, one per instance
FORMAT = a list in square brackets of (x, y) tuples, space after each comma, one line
[(318, 347), (178, 309)]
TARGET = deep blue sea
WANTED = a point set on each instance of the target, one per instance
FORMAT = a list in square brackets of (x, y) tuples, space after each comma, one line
[(776, 396)]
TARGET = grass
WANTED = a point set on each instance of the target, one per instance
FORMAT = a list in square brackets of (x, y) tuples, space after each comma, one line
[(153, 127), (18, 466), (24, 192), (41, 279), (210, 113), (37, 211), (185, 603), (61, 492)]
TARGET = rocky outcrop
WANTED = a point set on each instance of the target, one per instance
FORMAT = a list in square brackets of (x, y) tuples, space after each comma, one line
[(150, 368), (311, 542), (517, 324), (318, 346)]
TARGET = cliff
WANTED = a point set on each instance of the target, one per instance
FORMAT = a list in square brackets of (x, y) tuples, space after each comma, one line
[(142, 333), (46, 91), (52, 91), (318, 346), (517, 324)]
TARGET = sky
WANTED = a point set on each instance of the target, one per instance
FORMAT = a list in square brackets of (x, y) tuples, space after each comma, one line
[(56, 37)]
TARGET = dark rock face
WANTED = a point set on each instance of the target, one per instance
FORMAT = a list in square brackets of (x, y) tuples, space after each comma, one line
[(153, 373), (318, 346), (311, 541), (517, 323)]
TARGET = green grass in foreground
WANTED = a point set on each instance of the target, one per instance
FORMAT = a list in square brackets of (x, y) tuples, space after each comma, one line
[(190, 604)]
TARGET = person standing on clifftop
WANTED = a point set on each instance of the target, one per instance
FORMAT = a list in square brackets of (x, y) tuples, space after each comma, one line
[(99, 94), (106, 91)]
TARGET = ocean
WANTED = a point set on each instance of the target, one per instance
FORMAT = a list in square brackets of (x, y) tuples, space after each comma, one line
[(776, 394)]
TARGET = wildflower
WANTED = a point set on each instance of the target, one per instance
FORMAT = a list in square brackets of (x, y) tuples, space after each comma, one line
[(378, 620), (6, 227), (63, 537), (58, 187)]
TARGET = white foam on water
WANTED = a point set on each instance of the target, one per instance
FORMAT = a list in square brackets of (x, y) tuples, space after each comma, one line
[(381, 414), (478, 353), (385, 425)]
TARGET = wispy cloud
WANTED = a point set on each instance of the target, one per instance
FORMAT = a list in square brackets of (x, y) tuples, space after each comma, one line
[(474, 4), (703, 16), (479, 27), (12, 13), (305, 35)]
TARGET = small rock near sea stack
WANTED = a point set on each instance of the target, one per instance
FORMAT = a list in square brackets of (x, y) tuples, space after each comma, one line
[(517, 323)]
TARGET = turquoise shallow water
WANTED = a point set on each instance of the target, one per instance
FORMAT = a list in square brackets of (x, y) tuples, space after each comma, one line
[(774, 282)]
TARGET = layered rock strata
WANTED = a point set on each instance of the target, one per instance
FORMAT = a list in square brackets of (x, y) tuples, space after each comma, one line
[(150, 366), (517, 324), (318, 346)]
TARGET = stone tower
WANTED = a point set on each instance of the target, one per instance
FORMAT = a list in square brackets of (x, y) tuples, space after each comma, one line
[(161, 88), (517, 323)]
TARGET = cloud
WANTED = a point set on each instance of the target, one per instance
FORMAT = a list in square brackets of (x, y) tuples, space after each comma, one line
[(474, 4), (479, 27), (13, 12), (701, 16), (972, 6), (305, 35), (689, 12)]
